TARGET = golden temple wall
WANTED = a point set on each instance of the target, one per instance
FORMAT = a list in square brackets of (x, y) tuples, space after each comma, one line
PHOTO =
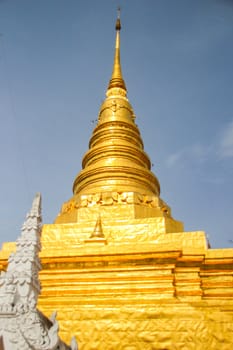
[(136, 288), (155, 299)]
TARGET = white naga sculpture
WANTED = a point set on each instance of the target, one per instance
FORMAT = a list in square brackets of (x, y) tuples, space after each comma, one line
[(22, 325)]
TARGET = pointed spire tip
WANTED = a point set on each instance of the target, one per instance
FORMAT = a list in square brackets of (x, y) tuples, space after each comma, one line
[(118, 21), (117, 80)]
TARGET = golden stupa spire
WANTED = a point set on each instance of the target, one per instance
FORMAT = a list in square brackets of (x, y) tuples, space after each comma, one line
[(115, 170), (116, 161), (117, 79)]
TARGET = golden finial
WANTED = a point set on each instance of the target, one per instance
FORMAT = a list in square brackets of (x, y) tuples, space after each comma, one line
[(117, 80), (118, 21)]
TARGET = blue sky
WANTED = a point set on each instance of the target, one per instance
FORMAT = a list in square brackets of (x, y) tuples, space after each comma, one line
[(55, 63)]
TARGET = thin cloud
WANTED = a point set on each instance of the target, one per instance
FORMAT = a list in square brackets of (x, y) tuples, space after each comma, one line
[(213, 179), (226, 142), (197, 153), (174, 158)]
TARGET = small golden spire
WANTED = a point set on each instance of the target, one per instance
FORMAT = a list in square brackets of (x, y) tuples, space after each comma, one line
[(98, 231), (117, 79)]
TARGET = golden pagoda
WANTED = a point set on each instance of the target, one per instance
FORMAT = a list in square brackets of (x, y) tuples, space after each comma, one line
[(121, 272)]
